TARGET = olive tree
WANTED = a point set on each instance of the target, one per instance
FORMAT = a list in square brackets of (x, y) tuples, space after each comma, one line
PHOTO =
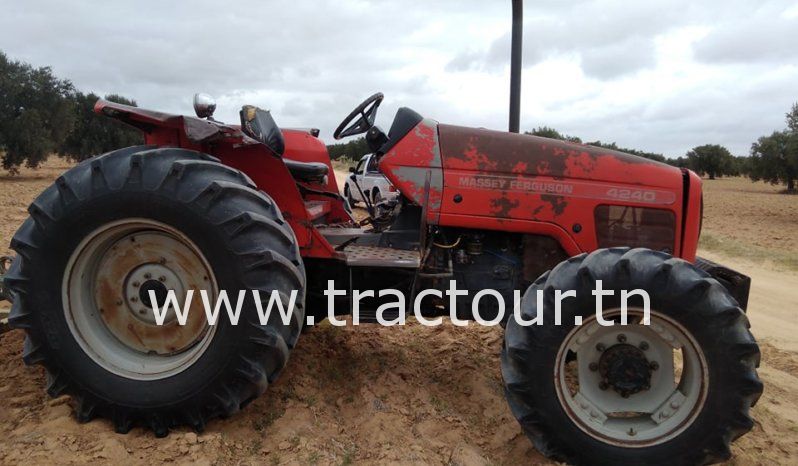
[(36, 113), (774, 158), (712, 160), (94, 134)]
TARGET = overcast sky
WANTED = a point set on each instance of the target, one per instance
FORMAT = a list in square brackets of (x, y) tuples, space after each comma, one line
[(658, 75)]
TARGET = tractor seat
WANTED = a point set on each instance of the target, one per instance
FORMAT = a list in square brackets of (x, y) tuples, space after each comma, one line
[(259, 125), (307, 171)]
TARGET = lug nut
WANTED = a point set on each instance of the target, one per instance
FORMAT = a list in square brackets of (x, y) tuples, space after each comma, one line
[(134, 299), (147, 276), (118, 302), (631, 432), (654, 365), (142, 311), (600, 347), (161, 278), (643, 345), (136, 284), (593, 366), (621, 338)]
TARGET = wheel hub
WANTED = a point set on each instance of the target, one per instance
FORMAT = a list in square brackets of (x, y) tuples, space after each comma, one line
[(159, 278), (650, 402), (159, 291), (108, 306), (625, 368)]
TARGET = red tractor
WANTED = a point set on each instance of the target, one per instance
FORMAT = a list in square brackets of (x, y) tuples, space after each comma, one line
[(666, 376), (212, 206)]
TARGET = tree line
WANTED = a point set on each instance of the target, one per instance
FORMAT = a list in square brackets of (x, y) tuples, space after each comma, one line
[(41, 114)]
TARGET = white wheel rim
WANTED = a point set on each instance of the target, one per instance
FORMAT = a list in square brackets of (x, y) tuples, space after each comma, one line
[(103, 306), (643, 418)]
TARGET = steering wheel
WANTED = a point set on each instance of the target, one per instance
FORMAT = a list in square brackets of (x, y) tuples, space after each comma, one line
[(367, 111)]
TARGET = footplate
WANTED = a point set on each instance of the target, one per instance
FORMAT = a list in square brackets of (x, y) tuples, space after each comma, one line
[(374, 256)]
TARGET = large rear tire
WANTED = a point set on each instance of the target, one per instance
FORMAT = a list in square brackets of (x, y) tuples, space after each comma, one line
[(145, 218), (677, 391)]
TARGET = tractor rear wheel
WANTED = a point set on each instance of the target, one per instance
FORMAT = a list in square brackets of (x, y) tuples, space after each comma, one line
[(146, 219), (676, 391)]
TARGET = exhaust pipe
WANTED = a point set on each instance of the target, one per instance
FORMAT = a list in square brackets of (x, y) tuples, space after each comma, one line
[(515, 65)]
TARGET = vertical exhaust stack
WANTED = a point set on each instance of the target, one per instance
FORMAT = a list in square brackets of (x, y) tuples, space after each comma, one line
[(515, 65)]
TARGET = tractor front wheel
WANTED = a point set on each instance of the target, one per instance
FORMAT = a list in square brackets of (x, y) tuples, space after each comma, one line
[(675, 389), (139, 220)]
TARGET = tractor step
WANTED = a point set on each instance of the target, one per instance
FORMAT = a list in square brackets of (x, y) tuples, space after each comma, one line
[(375, 256)]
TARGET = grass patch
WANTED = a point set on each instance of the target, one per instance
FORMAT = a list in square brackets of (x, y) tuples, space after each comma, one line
[(314, 458), (440, 405), (734, 248), (348, 457)]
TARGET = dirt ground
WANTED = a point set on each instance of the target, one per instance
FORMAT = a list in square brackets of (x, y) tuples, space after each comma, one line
[(751, 220), (371, 395)]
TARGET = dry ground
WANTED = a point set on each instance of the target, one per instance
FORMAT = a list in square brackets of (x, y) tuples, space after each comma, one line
[(751, 220), (371, 395)]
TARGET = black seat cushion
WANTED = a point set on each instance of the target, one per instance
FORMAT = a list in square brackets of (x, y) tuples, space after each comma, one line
[(306, 171), (405, 120), (259, 125)]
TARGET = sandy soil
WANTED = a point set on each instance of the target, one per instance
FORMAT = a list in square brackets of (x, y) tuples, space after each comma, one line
[(371, 395)]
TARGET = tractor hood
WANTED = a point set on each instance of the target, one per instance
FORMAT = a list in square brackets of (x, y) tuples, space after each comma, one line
[(584, 196), (518, 155)]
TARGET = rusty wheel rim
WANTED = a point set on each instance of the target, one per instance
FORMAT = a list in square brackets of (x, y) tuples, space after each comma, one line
[(106, 298)]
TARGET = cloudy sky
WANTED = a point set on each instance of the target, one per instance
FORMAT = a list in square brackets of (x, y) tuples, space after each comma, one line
[(658, 75)]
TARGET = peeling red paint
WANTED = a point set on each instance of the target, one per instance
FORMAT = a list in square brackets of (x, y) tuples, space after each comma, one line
[(522, 178)]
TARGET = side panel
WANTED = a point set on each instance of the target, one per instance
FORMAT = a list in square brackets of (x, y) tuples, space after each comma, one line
[(271, 175), (304, 147), (535, 185), (415, 163), (693, 214)]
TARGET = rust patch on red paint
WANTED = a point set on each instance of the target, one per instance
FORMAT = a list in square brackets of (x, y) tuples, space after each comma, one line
[(558, 203), (502, 206), (509, 175), (494, 151)]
